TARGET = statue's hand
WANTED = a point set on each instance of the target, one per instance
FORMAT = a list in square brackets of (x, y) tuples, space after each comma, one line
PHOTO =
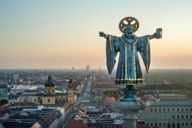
[(101, 34), (158, 33)]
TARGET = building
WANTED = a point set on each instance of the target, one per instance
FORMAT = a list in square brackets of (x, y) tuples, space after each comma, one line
[(15, 78), (110, 103), (172, 111), (51, 97), (71, 97), (3, 92), (101, 87), (16, 89), (45, 118), (27, 95), (76, 124)]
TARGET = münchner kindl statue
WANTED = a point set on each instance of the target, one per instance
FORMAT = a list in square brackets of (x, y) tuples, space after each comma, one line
[(128, 45), (129, 70)]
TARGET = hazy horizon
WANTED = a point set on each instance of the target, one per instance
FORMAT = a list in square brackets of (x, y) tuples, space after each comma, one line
[(62, 34)]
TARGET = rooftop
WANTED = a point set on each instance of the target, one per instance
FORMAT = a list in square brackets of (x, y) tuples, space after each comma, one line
[(173, 102), (105, 85), (3, 85), (26, 119), (76, 124)]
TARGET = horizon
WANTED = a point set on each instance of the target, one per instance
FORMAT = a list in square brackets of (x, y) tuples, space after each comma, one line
[(92, 69), (64, 34)]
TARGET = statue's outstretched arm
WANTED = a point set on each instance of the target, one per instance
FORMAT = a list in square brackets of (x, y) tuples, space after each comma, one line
[(151, 36), (102, 34), (157, 34)]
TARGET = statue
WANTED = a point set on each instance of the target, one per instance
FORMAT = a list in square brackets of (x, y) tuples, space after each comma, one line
[(129, 45)]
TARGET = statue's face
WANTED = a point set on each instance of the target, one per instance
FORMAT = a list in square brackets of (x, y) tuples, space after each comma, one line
[(129, 31)]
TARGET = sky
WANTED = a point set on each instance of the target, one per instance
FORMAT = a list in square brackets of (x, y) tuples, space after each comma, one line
[(57, 34)]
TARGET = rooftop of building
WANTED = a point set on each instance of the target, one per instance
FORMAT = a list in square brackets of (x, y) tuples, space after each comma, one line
[(48, 118), (105, 85), (51, 94), (76, 124), (24, 104), (26, 119), (171, 95), (173, 102), (3, 85)]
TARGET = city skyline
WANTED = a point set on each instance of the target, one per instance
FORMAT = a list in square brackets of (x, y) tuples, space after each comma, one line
[(63, 34)]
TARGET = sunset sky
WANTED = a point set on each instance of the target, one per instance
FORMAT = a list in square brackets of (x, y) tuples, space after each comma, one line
[(54, 34)]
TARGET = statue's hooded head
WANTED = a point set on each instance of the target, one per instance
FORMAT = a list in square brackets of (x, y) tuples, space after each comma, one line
[(129, 30)]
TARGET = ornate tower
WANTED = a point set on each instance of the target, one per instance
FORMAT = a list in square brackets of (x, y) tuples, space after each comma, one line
[(70, 92), (49, 86)]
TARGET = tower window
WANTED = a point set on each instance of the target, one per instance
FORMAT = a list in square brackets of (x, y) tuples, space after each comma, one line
[(48, 100)]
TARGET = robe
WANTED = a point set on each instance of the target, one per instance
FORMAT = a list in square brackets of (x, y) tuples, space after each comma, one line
[(128, 70)]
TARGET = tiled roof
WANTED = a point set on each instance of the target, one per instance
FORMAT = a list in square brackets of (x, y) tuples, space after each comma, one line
[(176, 102), (48, 118), (26, 119), (76, 124)]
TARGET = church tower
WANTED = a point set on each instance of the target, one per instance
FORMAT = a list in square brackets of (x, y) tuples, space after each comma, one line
[(49, 86), (70, 92)]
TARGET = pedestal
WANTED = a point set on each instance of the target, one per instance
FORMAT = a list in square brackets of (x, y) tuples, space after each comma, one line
[(129, 106)]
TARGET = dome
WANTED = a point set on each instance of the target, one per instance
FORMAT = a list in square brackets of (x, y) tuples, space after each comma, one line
[(49, 82)]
